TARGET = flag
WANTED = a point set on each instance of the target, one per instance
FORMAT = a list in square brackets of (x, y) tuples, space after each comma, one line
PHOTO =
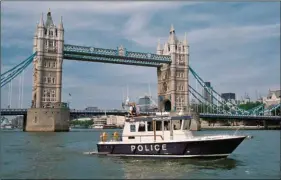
[(69, 94)]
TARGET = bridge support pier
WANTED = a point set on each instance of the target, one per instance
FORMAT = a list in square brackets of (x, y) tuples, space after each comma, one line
[(265, 124), (24, 122), (47, 119)]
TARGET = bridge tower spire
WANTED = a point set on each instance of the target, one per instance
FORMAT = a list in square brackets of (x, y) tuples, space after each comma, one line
[(159, 50), (47, 112), (173, 78)]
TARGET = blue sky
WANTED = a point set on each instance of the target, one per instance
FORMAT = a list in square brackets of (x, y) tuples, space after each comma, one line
[(236, 46)]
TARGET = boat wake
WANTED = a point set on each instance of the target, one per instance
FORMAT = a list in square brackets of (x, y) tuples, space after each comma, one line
[(90, 152)]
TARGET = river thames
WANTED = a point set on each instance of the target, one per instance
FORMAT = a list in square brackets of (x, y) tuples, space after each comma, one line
[(62, 155)]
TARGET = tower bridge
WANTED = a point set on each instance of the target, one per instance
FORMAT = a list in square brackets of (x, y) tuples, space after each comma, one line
[(49, 113), (171, 60)]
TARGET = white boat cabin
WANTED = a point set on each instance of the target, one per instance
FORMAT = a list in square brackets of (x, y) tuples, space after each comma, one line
[(156, 128)]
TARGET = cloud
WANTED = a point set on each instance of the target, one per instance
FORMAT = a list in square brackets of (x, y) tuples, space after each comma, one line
[(236, 46)]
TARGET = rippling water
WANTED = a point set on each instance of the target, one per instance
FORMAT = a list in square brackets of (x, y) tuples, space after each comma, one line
[(62, 155)]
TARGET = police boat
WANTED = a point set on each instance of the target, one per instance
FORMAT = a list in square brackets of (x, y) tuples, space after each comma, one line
[(165, 136)]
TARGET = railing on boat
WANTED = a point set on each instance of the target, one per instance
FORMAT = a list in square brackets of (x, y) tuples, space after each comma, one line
[(147, 135), (119, 138)]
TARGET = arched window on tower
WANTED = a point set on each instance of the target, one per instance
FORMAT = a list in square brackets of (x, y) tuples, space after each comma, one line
[(168, 47), (178, 101), (53, 95), (49, 79), (51, 43), (181, 101)]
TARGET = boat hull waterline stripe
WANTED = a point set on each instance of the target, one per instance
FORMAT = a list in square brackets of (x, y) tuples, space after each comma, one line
[(197, 139), (168, 156)]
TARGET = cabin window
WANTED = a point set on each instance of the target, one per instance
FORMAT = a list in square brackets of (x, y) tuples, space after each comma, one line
[(149, 126), (131, 137), (176, 125), (141, 127), (132, 128), (186, 124), (166, 125), (158, 125)]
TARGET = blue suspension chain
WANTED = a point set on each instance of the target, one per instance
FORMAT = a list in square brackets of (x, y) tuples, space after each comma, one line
[(18, 64), (203, 97), (198, 98), (15, 73), (213, 95), (200, 80)]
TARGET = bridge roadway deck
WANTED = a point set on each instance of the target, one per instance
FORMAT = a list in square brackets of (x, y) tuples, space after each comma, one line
[(239, 117), (15, 112)]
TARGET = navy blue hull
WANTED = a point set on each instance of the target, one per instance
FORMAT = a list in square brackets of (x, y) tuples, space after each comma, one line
[(209, 148)]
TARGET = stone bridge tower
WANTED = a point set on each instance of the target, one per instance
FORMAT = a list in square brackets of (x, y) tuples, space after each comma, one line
[(47, 112), (173, 92)]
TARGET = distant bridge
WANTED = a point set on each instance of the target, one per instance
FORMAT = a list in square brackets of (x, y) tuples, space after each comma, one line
[(16, 112), (238, 117), (73, 112)]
